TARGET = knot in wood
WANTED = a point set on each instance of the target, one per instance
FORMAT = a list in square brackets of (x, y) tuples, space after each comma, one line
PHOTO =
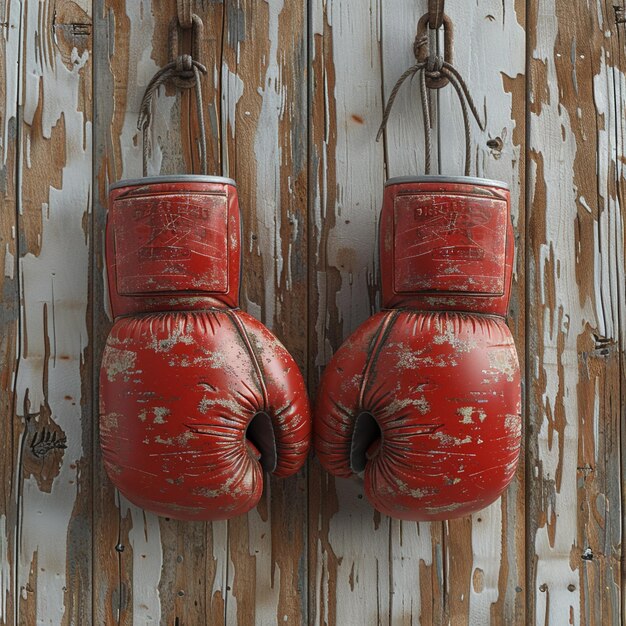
[(44, 441)]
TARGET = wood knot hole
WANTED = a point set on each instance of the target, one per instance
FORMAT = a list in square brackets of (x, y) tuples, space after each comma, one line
[(495, 144), (44, 441), (587, 555)]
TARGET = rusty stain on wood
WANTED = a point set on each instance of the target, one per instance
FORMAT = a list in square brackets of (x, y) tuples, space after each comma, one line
[(293, 118)]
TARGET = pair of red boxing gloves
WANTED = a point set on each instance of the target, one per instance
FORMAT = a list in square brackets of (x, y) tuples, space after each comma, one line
[(198, 399)]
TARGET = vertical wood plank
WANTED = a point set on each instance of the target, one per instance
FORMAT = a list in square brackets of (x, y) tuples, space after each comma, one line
[(576, 277), (619, 86), (418, 551), (486, 553), (264, 122), (150, 569), (349, 555), (435, 573), (125, 584), (166, 566), (10, 18), (53, 397)]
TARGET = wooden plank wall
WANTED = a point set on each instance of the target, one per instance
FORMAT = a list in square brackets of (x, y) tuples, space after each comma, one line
[(293, 99)]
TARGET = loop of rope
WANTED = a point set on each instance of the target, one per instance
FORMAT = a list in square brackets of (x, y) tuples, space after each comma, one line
[(184, 70), (465, 99), (434, 68), (185, 13)]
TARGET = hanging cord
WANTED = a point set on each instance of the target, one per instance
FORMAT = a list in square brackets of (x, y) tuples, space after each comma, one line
[(433, 68), (184, 70)]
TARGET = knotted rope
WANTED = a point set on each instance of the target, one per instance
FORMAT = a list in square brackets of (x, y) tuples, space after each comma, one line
[(432, 70), (184, 71)]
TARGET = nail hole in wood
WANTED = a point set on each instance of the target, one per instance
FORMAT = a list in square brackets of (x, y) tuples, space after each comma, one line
[(587, 555), (495, 144)]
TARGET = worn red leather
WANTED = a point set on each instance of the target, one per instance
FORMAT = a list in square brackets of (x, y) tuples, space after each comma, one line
[(425, 396), (197, 398)]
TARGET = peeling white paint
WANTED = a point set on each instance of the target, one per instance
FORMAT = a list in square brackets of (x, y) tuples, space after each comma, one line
[(145, 539), (555, 569), (221, 557), (11, 35), (608, 84), (9, 263), (486, 557), (232, 90), (411, 545), (58, 278), (268, 575), (363, 547), (269, 158), (142, 22)]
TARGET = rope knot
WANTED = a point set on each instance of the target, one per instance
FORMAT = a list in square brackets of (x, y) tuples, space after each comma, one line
[(183, 74), (184, 65), (184, 71), (434, 65), (420, 48), (435, 71)]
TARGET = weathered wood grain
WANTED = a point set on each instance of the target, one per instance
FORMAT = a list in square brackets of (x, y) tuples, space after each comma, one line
[(349, 552), (49, 116), (10, 18), (576, 278), (421, 572), (419, 558), (264, 113), (486, 554), (150, 570), (256, 112), (292, 110)]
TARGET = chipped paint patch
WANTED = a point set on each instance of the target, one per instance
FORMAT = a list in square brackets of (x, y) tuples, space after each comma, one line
[(449, 440), (504, 363), (513, 423), (160, 413), (448, 335), (467, 413), (110, 421), (116, 361), (406, 490), (9, 263), (177, 336)]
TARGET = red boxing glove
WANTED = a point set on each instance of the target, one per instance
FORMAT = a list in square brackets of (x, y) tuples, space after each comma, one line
[(197, 398), (425, 396)]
